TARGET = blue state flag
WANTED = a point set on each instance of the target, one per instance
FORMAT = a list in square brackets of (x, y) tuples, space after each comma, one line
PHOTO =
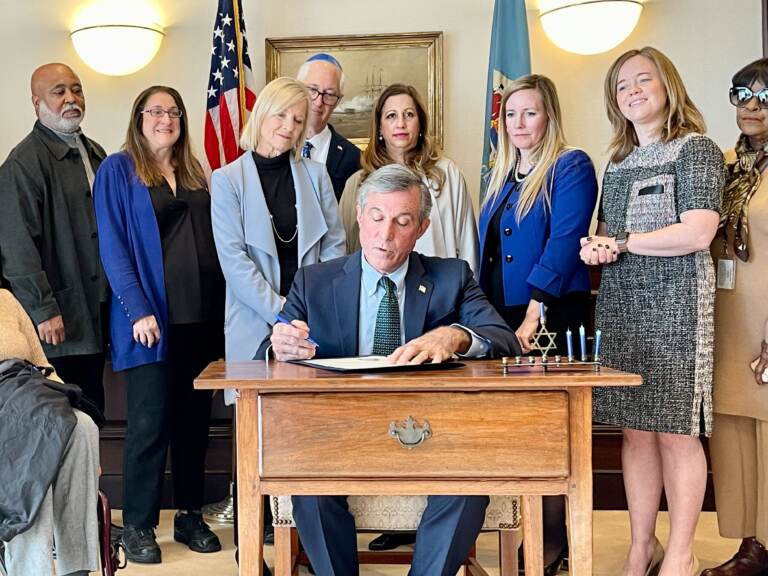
[(510, 58)]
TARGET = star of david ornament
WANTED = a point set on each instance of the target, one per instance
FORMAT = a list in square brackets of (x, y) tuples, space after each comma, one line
[(544, 340)]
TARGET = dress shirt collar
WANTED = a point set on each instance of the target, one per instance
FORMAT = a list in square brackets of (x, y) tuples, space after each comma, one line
[(370, 276), (321, 143)]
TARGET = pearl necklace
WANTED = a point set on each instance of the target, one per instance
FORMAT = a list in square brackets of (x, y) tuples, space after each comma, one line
[(518, 179)]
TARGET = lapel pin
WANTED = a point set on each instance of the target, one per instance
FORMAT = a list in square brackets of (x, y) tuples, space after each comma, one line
[(422, 289)]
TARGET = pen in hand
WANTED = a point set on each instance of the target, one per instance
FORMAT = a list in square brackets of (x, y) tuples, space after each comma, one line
[(283, 320)]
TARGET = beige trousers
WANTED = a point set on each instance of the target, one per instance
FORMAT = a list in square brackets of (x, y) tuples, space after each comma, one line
[(739, 451)]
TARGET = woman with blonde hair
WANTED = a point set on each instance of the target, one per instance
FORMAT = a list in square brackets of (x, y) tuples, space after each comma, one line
[(273, 212), (657, 218), (539, 202), (400, 134), (166, 315)]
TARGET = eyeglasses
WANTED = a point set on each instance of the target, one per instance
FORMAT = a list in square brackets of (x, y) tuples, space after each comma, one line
[(741, 96), (157, 112), (329, 98)]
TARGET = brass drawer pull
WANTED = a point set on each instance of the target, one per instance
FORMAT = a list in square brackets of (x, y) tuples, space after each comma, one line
[(410, 435)]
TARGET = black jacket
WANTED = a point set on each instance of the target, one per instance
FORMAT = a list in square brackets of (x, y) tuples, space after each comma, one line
[(48, 242), (36, 421), (343, 160)]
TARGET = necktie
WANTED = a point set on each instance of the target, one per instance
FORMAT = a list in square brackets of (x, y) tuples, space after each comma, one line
[(307, 150), (386, 337)]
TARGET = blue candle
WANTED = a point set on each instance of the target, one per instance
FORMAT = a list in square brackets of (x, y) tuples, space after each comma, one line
[(583, 343), (596, 347), (542, 313), (569, 343)]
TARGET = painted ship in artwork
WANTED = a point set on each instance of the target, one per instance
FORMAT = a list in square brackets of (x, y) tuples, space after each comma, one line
[(352, 116)]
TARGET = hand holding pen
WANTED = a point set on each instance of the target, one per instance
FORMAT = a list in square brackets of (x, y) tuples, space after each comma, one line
[(290, 340)]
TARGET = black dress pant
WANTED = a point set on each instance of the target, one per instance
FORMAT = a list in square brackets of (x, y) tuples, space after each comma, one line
[(85, 371), (164, 408)]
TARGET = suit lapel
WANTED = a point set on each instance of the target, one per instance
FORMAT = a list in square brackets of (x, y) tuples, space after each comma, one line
[(346, 299), (418, 290), (258, 229), (310, 216), (335, 153)]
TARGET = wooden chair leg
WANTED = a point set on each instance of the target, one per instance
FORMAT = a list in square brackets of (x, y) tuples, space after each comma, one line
[(509, 544), (533, 535), (286, 551)]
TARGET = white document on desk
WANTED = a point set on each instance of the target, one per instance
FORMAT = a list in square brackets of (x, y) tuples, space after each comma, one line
[(351, 363), (371, 364)]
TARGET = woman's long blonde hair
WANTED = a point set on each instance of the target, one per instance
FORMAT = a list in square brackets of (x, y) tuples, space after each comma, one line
[(543, 155), (422, 159), (189, 172), (682, 116)]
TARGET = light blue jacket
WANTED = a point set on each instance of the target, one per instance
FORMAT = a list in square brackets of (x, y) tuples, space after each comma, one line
[(246, 244)]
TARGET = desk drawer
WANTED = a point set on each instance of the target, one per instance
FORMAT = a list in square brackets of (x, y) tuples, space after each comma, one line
[(488, 434)]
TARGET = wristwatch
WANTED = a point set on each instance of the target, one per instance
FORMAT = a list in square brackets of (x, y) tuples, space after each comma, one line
[(621, 242)]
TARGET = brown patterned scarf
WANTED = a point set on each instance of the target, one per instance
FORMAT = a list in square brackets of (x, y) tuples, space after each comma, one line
[(743, 180)]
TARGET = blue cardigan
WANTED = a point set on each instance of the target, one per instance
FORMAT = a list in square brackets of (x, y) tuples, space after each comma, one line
[(544, 246), (132, 256)]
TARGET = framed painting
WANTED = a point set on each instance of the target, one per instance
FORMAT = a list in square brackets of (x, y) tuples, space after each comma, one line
[(370, 63)]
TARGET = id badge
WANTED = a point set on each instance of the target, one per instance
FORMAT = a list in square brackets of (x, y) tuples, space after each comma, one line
[(726, 274)]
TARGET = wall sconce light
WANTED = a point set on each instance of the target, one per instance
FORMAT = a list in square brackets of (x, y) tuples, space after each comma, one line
[(589, 26), (116, 39)]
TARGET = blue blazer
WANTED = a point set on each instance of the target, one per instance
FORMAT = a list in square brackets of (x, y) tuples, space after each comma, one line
[(343, 160), (440, 292), (247, 250), (544, 247), (132, 256)]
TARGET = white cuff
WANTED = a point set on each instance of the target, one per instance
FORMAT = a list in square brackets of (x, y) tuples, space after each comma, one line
[(479, 347)]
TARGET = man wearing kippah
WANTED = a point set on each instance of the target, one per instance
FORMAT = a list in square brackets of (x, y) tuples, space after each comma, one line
[(324, 77)]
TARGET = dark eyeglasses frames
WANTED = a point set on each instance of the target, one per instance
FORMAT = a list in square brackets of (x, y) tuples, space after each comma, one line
[(741, 96), (329, 98), (160, 112)]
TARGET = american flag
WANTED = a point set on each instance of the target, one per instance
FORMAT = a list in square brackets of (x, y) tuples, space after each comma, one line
[(231, 94)]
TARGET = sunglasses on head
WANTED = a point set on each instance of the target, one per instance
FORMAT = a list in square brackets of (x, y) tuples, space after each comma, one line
[(741, 96)]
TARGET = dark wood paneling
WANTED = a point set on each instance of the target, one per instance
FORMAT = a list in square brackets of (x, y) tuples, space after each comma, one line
[(608, 480), (218, 463)]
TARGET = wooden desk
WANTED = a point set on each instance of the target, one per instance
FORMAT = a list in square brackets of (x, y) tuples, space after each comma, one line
[(302, 430)]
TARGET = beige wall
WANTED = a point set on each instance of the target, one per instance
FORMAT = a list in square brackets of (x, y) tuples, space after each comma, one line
[(707, 39)]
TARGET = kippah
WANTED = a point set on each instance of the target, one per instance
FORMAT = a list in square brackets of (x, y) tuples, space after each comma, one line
[(325, 58)]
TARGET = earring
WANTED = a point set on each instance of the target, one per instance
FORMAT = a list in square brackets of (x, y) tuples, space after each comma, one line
[(381, 138), (419, 134)]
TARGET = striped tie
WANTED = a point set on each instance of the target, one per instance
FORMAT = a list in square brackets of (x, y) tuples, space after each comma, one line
[(306, 151), (386, 337)]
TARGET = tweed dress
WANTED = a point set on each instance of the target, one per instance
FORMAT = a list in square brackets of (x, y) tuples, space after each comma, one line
[(656, 313)]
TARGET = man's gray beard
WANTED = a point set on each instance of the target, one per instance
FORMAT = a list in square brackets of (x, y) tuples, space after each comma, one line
[(57, 122)]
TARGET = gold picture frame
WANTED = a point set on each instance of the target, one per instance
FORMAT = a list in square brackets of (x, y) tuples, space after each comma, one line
[(371, 62)]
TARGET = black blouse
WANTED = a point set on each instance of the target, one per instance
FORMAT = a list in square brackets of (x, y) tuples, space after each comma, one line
[(280, 194), (194, 283), (492, 280)]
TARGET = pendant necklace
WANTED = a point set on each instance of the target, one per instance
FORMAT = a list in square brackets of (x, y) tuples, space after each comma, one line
[(277, 234)]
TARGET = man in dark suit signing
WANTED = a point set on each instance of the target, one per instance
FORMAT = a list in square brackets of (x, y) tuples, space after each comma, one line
[(324, 79), (389, 300)]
